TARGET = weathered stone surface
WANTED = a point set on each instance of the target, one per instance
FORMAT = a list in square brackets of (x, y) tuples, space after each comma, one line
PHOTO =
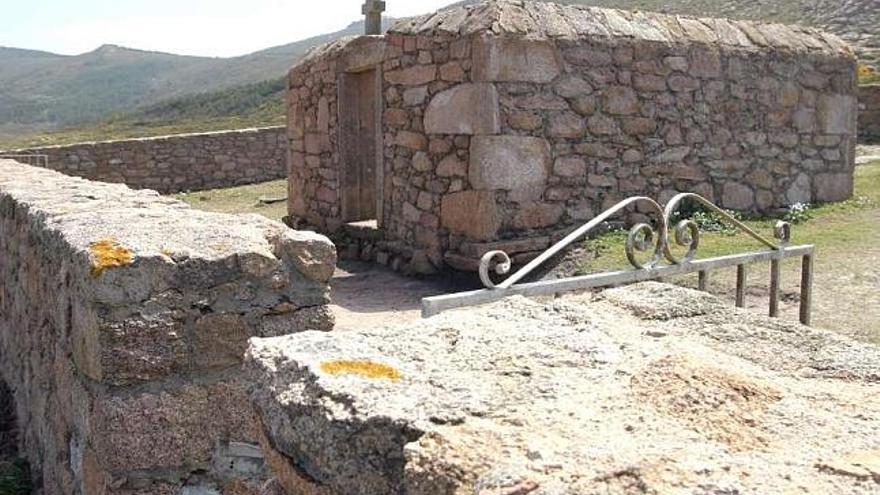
[(412, 76), (566, 125), (833, 186), (524, 397), (570, 166), (515, 60), (477, 250), (464, 109), (800, 190), (537, 215), (508, 162), (474, 214), (620, 100), (452, 166), (737, 196), (837, 114), (182, 162), (124, 335)]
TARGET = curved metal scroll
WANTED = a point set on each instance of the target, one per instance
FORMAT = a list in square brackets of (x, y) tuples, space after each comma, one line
[(640, 239), (687, 232)]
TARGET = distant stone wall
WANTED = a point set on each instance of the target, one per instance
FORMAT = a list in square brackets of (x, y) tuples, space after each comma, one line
[(177, 163), (125, 317), (511, 121), (869, 113)]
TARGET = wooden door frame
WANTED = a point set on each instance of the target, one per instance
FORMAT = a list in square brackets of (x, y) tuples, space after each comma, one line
[(379, 159)]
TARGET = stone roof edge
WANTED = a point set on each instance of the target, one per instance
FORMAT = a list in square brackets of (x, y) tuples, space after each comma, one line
[(334, 47), (572, 22)]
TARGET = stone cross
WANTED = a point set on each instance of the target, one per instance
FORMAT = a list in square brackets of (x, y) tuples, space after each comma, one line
[(373, 11)]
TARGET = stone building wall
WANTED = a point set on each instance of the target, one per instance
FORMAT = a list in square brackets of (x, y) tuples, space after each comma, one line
[(511, 121), (176, 163), (125, 316), (869, 113)]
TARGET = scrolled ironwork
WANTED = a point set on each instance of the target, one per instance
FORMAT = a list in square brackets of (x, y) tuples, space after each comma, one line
[(489, 260), (687, 234), (501, 267), (782, 231), (641, 238), (692, 241)]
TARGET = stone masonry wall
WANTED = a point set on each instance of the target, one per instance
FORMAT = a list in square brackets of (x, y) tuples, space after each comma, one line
[(869, 113), (177, 163), (512, 121), (124, 317)]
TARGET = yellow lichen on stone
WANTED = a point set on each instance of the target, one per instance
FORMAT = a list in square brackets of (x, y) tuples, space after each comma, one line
[(106, 254), (366, 369)]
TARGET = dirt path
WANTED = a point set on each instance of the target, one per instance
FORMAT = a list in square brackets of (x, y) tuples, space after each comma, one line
[(365, 295)]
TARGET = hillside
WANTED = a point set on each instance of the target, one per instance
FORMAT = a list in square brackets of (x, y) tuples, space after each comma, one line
[(40, 90), (250, 105), (116, 92), (856, 21)]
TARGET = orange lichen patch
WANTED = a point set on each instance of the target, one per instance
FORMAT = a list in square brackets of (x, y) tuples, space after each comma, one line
[(366, 369), (106, 254)]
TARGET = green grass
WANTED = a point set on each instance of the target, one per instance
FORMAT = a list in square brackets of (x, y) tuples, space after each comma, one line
[(242, 199), (131, 129), (833, 226), (847, 240), (15, 478)]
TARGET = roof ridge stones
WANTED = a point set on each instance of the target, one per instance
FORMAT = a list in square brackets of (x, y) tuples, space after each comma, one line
[(570, 22)]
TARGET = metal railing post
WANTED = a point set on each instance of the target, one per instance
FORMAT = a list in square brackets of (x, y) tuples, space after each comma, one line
[(741, 278), (806, 307), (774, 287)]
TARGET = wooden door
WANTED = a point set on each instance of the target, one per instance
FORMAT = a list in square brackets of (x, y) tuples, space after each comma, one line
[(359, 143)]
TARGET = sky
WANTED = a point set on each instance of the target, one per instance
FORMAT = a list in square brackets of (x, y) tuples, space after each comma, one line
[(217, 28)]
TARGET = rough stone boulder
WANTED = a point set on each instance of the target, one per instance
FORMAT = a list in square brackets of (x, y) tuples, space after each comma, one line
[(645, 389)]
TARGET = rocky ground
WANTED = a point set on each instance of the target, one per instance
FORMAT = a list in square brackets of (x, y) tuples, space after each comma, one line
[(646, 389)]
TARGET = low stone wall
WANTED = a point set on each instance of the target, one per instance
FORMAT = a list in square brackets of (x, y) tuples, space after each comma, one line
[(869, 113), (176, 163), (124, 317), (643, 389)]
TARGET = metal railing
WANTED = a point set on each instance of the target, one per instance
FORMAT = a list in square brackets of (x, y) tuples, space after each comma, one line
[(641, 238), (27, 159)]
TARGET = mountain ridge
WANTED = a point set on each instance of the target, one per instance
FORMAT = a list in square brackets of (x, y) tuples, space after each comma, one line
[(43, 90)]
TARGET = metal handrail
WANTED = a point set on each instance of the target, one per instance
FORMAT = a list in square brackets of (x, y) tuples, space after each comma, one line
[(641, 237)]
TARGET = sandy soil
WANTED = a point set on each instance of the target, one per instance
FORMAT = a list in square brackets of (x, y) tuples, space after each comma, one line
[(367, 295)]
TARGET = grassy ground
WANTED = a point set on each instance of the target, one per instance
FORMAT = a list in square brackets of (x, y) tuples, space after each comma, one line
[(847, 272), (244, 199), (127, 129)]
